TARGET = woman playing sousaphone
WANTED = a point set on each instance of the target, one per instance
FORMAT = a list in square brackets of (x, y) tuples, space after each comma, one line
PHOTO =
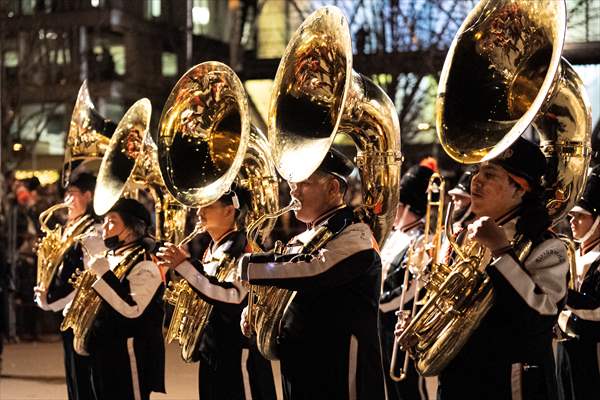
[(230, 368)]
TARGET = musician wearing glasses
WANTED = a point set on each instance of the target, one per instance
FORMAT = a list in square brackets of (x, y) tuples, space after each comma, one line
[(78, 198), (580, 320), (509, 355), (398, 251), (230, 367), (126, 345), (328, 342)]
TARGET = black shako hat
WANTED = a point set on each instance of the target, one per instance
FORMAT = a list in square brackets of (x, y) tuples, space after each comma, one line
[(413, 188), (463, 187), (238, 196), (524, 159), (590, 199), (83, 181), (128, 208), (337, 164)]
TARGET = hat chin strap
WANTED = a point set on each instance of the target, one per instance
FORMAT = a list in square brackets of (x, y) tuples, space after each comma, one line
[(590, 231)]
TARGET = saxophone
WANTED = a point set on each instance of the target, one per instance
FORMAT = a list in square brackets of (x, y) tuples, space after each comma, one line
[(86, 303), (56, 242), (191, 313)]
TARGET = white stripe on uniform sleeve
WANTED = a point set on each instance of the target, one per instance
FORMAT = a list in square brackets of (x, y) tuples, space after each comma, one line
[(144, 279), (352, 240), (233, 295), (547, 266)]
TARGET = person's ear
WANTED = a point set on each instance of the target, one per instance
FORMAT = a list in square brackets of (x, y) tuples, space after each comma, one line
[(88, 196)]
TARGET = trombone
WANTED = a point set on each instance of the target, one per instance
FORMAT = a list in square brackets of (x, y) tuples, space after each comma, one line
[(416, 259)]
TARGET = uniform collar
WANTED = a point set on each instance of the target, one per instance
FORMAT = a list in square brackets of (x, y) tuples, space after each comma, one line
[(325, 217)]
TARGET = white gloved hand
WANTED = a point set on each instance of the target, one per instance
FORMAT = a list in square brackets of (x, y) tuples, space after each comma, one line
[(100, 266), (41, 298)]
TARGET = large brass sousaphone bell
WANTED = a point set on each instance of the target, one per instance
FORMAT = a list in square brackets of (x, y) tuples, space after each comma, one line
[(89, 133), (317, 95), (503, 73), (206, 142)]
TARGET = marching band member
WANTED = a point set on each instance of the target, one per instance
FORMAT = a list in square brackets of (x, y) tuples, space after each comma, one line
[(510, 354), (328, 345), (126, 346), (581, 319), (461, 198), (408, 230), (230, 368), (78, 197)]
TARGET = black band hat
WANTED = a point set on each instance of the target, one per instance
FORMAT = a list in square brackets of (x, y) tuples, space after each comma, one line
[(463, 187), (336, 164), (83, 181), (130, 208), (589, 202), (413, 188), (523, 159)]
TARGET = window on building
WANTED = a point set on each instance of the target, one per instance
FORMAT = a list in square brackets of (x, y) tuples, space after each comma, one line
[(110, 60), (169, 64), (200, 16), (11, 59), (152, 9)]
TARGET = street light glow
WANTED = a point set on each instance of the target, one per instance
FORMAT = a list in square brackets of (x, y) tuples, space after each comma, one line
[(423, 126)]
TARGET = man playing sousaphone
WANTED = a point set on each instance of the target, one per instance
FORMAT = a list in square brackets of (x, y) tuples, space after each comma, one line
[(125, 343), (510, 352), (78, 199), (328, 341), (230, 368)]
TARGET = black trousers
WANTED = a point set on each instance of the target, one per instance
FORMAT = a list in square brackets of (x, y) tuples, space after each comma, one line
[(225, 381), (112, 375), (413, 386), (582, 363), (77, 371)]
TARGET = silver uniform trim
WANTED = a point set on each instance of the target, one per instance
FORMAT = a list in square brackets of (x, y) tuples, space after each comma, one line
[(245, 374), (276, 370), (516, 381), (135, 381), (143, 279), (352, 240), (352, 366), (234, 295), (547, 268)]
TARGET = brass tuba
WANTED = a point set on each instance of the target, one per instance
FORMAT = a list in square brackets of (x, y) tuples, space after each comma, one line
[(503, 73), (206, 141), (87, 139), (89, 133), (317, 95), (126, 156)]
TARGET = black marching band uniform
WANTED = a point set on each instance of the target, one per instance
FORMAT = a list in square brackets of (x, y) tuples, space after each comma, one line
[(580, 372), (126, 344), (230, 366), (394, 258), (61, 292), (328, 343), (509, 355)]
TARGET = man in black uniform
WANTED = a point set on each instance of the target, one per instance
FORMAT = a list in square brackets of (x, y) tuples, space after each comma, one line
[(126, 347), (581, 318), (328, 344), (78, 197), (509, 354), (230, 368), (400, 244)]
